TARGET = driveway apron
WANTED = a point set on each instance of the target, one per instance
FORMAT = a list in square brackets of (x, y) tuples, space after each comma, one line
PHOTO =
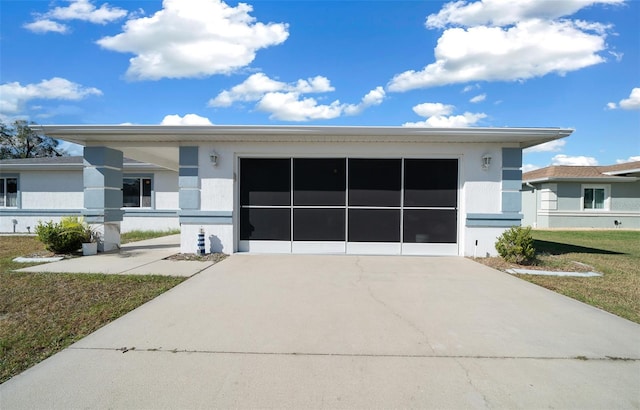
[(301, 331)]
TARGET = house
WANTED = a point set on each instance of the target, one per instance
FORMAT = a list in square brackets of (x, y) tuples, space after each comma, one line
[(43, 189), (300, 189), (582, 196)]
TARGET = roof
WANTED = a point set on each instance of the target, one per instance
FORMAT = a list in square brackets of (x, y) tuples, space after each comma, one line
[(83, 134), (618, 172), (60, 163)]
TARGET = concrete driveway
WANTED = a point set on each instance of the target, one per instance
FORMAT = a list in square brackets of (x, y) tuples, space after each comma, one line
[(346, 332)]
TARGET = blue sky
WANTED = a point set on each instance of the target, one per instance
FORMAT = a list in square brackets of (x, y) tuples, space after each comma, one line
[(485, 63)]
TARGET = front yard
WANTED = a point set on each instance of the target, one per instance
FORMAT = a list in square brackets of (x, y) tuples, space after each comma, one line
[(614, 253), (42, 313)]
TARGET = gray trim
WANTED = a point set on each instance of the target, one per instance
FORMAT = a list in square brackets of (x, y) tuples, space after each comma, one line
[(103, 156), (206, 217), (189, 156), (150, 213), (39, 212), (511, 157), (503, 220), (512, 175), (98, 177), (189, 182), (189, 198), (101, 216), (188, 172), (511, 202)]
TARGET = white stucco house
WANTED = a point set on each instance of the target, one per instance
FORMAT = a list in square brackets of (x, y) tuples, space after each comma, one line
[(287, 189)]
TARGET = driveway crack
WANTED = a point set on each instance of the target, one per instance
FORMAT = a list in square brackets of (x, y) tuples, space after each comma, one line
[(486, 403), (401, 317)]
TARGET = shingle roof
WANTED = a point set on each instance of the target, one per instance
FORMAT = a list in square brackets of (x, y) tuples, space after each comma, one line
[(572, 171)]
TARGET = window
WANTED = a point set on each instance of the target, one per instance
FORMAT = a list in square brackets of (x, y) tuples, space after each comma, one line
[(136, 192), (9, 192), (595, 197)]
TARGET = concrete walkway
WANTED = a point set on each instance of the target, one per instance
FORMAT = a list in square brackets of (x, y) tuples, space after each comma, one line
[(135, 258), (346, 332)]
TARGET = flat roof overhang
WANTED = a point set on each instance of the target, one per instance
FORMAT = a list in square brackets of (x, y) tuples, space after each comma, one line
[(134, 139), (83, 134)]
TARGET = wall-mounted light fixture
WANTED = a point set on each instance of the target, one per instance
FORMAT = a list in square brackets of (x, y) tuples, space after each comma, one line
[(486, 161), (214, 158)]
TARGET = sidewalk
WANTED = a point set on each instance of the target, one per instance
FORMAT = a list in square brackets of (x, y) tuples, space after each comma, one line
[(136, 258)]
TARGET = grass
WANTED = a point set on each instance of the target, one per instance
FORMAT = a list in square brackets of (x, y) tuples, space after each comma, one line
[(614, 253), (42, 313), (133, 236)]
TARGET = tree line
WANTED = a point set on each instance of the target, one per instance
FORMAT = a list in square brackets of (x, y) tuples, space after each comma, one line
[(19, 140)]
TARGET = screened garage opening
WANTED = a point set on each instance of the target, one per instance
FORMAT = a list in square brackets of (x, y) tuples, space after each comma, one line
[(349, 205)]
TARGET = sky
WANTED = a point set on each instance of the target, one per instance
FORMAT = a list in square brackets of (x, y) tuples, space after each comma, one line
[(483, 63)]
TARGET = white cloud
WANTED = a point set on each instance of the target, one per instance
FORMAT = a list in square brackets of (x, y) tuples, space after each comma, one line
[(193, 38), (257, 85), (83, 10), (562, 159), (505, 12), (633, 102), (438, 116), (13, 95), (433, 109), (529, 49), (630, 159), (188, 119), (529, 167), (551, 146), (286, 101), (46, 26), (468, 88), (478, 98)]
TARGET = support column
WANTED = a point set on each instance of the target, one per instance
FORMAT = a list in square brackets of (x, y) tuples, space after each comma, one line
[(102, 176)]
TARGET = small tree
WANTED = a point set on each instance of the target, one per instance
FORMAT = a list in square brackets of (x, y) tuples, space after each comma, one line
[(19, 140), (516, 245)]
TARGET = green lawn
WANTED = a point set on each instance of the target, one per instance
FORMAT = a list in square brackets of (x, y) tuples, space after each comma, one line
[(614, 253), (42, 313)]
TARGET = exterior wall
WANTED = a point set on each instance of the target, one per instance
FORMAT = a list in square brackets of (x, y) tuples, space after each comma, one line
[(625, 197), (529, 206), (51, 195), (480, 191)]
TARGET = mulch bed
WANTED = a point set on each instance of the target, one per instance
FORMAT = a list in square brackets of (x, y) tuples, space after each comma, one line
[(210, 257), (502, 265)]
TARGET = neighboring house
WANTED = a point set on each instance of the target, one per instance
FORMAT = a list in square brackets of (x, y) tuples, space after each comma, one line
[(44, 189), (291, 189), (582, 196)]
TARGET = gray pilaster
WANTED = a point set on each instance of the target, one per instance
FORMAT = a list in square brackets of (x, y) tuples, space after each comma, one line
[(188, 180), (511, 180), (102, 176)]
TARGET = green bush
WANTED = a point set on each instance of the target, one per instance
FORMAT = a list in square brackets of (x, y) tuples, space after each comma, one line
[(66, 236), (516, 245)]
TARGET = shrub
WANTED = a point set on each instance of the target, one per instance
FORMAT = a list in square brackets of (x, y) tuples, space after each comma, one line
[(64, 237), (516, 245)]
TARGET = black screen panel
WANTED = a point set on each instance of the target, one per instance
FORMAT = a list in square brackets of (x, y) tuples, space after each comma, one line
[(265, 181), (265, 224), (430, 226), (319, 181), (431, 182), (375, 182), (374, 225), (318, 224)]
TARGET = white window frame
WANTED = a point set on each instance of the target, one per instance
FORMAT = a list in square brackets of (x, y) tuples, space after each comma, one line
[(607, 197), (3, 181), (141, 178)]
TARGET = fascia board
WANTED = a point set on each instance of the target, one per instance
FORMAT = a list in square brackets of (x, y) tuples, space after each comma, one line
[(83, 134)]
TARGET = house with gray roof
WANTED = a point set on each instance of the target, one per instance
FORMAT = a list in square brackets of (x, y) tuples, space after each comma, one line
[(582, 196)]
